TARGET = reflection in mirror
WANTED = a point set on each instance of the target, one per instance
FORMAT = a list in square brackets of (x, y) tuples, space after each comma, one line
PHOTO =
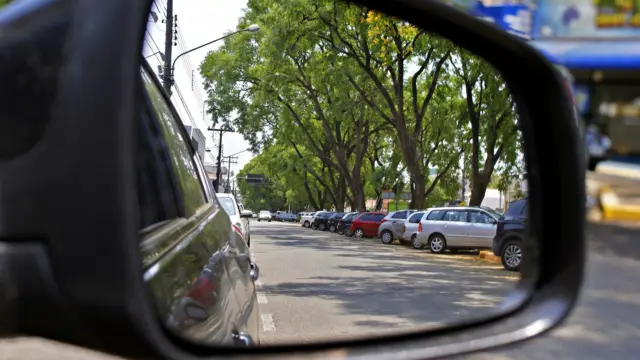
[(388, 161)]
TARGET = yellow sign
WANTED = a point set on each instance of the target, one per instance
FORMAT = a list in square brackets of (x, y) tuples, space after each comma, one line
[(617, 13)]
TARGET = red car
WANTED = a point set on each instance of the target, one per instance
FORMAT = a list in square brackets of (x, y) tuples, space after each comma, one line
[(366, 224)]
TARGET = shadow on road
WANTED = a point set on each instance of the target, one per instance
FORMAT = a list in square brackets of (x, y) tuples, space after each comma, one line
[(390, 286)]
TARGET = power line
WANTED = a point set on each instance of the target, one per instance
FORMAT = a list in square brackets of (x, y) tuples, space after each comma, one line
[(161, 10), (153, 41), (179, 93), (187, 63)]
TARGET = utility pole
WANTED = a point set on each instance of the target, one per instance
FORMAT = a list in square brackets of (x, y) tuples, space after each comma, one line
[(219, 165), (235, 161), (168, 46), (219, 160)]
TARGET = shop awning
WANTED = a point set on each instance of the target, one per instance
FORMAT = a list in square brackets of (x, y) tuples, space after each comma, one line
[(577, 54)]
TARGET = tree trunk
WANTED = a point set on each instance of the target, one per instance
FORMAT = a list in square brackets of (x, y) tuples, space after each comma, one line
[(341, 196), (358, 198), (418, 188), (410, 155), (378, 205), (309, 192), (352, 204), (479, 188)]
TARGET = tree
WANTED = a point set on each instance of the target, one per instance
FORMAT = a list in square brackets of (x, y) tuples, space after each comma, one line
[(289, 180), (290, 76), (383, 49), (492, 122)]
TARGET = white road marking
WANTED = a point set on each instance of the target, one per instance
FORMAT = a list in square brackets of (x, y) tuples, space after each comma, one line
[(262, 299), (267, 323)]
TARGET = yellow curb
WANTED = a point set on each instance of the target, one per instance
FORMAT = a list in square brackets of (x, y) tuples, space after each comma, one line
[(489, 256), (613, 210), (621, 212)]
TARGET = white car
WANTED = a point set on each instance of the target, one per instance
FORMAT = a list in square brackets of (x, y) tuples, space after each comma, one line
[(240, 218), (410, 229), (264, 215), (307, 219)]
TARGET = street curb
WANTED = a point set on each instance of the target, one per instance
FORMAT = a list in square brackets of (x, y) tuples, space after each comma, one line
[(610, 183), (489, 256), (613, 210)]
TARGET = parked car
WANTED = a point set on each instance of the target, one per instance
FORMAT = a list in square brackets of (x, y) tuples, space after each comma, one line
[(275, 216), (410, 229), (345, 223), (366, 224), (320, 220), (458, 227), (239, 218), (511, 230), (391, 227), (264, 215), (307, 218), (287, 217), (220, 270), (332, 222)]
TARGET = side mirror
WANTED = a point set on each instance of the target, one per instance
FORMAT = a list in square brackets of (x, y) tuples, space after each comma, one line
[(493, 221), (246, 214), (78, 94)]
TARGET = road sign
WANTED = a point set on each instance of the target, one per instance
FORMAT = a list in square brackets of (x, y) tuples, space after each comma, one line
[(388, 194), (255, 178)]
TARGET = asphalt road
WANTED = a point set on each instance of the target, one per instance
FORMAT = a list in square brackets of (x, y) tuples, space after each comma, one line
[(318, 285), (605, 324)]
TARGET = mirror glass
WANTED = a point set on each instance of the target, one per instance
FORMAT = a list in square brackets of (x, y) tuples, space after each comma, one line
[(383, 165)]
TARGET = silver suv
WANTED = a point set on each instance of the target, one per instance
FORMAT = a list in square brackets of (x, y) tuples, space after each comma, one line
[(460, 227), (391, 227)]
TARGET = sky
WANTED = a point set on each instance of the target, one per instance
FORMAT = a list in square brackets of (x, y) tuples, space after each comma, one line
[(199, 21)]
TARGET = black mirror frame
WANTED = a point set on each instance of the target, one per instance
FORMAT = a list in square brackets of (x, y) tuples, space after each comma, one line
[(112, 311)]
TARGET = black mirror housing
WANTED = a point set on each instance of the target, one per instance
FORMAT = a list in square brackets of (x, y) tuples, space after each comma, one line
[(84, 277)]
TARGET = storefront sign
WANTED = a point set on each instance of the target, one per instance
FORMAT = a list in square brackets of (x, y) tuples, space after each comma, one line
[(513, 18), (586, 19)]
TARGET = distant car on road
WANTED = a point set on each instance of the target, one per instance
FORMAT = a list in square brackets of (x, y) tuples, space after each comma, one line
[(264, 215)]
